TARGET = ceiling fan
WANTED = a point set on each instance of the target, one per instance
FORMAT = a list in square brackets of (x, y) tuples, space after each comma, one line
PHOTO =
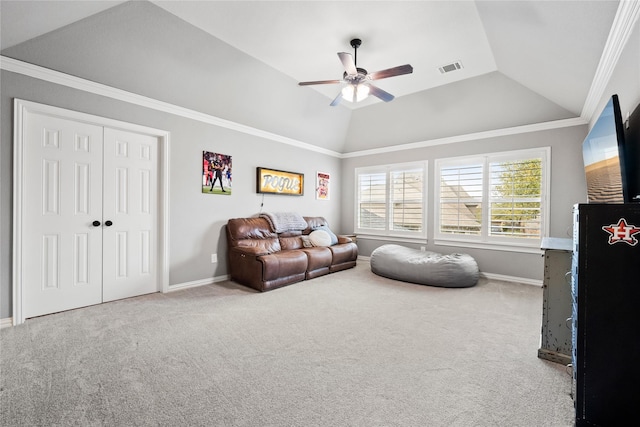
[(357, 80)]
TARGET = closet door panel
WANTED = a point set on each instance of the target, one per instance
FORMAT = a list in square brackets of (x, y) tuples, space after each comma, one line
[(62, 249), (131, 206)]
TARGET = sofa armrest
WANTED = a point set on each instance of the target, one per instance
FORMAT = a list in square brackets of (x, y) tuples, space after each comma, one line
[(344, 239)]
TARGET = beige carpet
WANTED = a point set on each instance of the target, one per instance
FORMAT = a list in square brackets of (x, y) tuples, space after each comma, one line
[(348, 349)]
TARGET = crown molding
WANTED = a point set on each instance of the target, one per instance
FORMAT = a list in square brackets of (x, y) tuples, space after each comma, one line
[(56, 77), (621, 29), (536, 127)]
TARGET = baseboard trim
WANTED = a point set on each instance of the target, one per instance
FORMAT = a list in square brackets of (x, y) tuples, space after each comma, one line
[(196, 283), (6, 322), (554, 356), (514, 279)]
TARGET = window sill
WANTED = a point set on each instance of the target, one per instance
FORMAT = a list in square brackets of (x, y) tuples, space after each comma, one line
[(531, 248), (390, 238)]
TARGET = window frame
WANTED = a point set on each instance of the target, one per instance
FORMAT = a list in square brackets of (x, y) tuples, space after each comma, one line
[(484, 240), (388, 170)]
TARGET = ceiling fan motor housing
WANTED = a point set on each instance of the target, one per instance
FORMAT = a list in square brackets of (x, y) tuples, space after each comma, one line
[(357, 78)]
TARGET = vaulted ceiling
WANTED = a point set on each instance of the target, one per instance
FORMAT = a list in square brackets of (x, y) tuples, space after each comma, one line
[(545, 53), (550, 47)]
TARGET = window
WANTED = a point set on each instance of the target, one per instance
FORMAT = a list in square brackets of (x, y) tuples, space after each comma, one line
[(493, 199), (390, 200)]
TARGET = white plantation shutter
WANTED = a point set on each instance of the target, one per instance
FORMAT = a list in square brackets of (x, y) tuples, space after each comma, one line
[(516, 198), (406, 194), (372, 194), (390, 200), (461, 199), (496, 198)]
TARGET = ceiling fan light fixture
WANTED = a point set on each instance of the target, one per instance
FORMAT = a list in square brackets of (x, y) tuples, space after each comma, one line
[(355, 92), (357, 87)]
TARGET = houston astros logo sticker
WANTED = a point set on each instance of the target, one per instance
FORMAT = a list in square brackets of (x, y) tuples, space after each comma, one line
[(622, 232)]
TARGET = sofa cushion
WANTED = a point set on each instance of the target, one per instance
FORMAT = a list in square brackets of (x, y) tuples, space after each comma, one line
[(290, 240), (318, 258), (252, 233), (314, 222), (283, 264), (320, 238), (249, 228), (306, 242), (347, 252)]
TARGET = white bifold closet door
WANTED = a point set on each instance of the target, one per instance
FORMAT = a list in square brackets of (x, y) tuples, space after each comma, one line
[(91, 214), (130, 203)]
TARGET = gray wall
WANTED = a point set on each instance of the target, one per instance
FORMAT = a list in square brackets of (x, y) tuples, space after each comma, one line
[(483, 103), (143, 49), (567, 187), (568, 184), (196, 220)]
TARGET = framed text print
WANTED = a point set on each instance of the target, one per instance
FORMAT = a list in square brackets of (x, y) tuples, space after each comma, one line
[(275, 181)]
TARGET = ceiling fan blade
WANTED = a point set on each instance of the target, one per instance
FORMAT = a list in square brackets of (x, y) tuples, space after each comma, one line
[(391, 72), (377, 92), (348, 63), (319, 82), (337, 100)]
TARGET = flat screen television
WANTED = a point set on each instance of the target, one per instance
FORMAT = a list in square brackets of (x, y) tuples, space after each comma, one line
[(603, 151)]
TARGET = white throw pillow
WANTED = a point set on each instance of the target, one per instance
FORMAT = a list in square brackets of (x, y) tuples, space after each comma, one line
[(320, 238), (334, 238)]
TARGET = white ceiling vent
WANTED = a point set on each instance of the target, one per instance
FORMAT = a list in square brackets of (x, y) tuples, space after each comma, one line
[(450, 67)]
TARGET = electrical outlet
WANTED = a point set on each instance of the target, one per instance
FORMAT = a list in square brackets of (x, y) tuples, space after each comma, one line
[(423, 248), (214, 258)]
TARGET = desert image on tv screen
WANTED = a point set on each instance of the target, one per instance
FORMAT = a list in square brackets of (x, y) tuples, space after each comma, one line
[(602, 161), (604, 184)]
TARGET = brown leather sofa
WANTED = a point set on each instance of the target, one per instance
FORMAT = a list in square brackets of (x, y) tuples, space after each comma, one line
[(265, 260)]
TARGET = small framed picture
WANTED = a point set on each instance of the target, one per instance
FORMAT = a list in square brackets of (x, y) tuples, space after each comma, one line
[(322, 185), (216, 173)]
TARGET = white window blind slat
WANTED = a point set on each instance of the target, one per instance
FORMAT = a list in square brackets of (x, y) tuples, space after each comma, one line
[(461, 199), (371, 201), (391, 201), (492, 196), (516, 196)]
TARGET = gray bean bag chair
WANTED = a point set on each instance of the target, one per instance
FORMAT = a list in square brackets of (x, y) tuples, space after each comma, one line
[(424, 267)]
